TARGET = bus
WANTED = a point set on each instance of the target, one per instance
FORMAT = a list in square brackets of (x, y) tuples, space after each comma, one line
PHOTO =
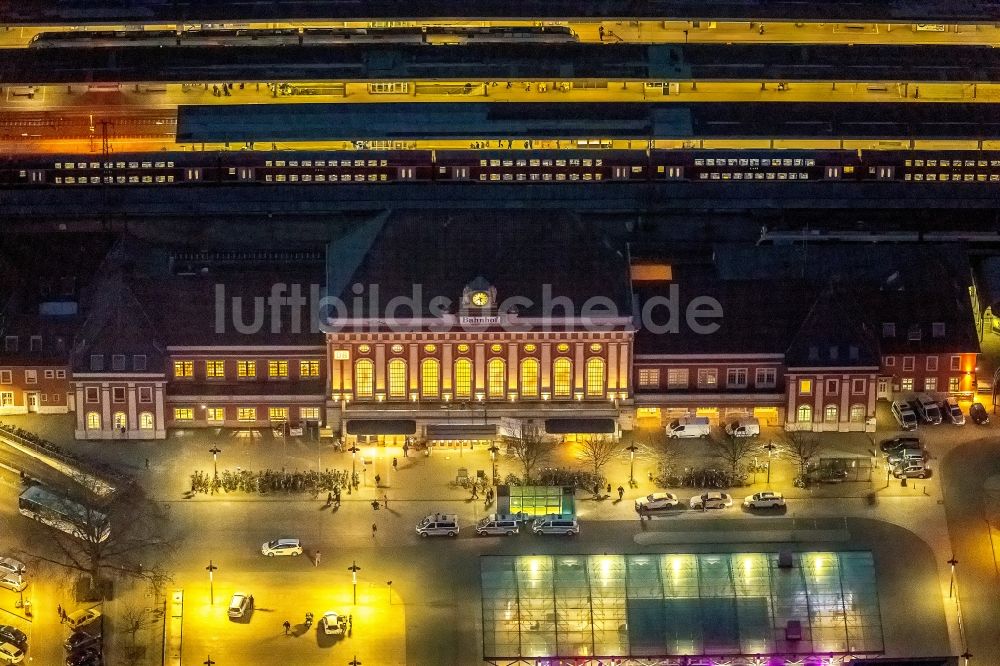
[(62, 513)]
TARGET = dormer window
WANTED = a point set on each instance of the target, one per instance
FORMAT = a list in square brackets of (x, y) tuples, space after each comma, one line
[(118, 362), (814, 353), (834, 352), (10, 343), (888, 329), (915, 333), (937, 329), (36, 343), (852, 352), (96, 362)]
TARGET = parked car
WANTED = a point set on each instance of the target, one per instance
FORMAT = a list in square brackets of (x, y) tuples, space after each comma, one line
[(904, 414), (11, 654), (901, 442), (90, 656), (13, 582), (911, 470), (767, 499), (656, 502), (952, 412), (240, 605), (691, 426), (711, 500), (82, 618), (81, 639), (745, 427), (497, 525), (292, 547), (438, 524), (10, 565), (906, 456), (556, 524), (13, 635), (977, 412), (928, 409), (333, 623)]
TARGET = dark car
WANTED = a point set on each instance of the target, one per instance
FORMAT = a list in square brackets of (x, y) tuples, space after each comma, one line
[(80, 640), (13, 635), (978, 414), (90, 656), (897, 443)]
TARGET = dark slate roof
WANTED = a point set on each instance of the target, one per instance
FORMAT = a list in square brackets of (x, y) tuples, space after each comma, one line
[(519, 254), (56, 333), (834, 334)]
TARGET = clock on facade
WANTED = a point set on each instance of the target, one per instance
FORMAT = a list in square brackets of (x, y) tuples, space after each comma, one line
[(480, 299)]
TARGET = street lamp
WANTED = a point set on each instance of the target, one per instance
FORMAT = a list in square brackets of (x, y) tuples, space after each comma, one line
[(389, 583), (631, 448), (211, 581), (209, 661), (494, 450), (354, 662), (215, 451), (951, 585), (769, 447), (354, 454), (354, 569)]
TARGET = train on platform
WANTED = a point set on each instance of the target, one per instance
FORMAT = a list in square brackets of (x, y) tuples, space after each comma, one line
[(302, 36), (492, 167)]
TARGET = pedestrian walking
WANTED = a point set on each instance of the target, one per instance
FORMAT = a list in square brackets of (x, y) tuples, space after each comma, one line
[(385, 500), (147, 463), (600, 32), (251, 601), (350, 622), (329, 499), (395, 464), (60, 611), (316, 559), (336, 496), (288, 626), (406, 450), (609, 488), (475, 491), (621, 493), (378, 480), (374, 530)]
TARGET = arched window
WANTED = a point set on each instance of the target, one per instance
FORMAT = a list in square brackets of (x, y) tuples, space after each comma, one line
[(858, 413), (529, 378), (364, 378), (120, 420), (805, 414), (463, 379), (830, 413), (562, 377), (430, 378), (595, 377), (93, 421), (496, 377), (146, 421), (397, 378)]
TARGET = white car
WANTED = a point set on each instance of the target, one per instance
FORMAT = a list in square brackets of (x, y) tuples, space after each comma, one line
[(11, 654), (82, 618), (10, 565), (764, 500), (13, 582), (333, 623), (656, 502), (953, 413), (711, 500), (291, 547)]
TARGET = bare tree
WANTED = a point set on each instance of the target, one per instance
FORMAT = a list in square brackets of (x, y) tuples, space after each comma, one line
[(734, 451), (598, 450), (802, 447), (530, 449), (125, 536), (133, 619)]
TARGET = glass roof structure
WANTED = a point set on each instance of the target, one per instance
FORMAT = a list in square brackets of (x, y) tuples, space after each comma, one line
[(673, 605)]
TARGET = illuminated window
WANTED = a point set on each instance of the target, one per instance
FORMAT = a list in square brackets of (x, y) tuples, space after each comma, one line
[(708, 378), (183, 369), (246, 414), (496, 378), (309, 413), (309, 368), (93, 421), (397, 349), (277, 369), (215, 369), (463, 378), (430, 378), (364, 349), (562, 377), (463, 348), (146, 421), (595, 377), (246, 369), (397, 378), (364, 374), (830, 414), (649, 377), (215, 414), (120, 420), (677, 378), (953, 384), (183, 414), (805, 414), (906, 384), (529, 378), (430, 349), (530, 348), (496, 349), (857, 414), (276, 414), (805, 387), (562, 347), (930, 383), (595, 347)]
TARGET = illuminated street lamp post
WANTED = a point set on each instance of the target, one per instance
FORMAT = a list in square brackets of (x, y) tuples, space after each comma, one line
[(354, 569), (951, 585), (770, 447), (354, 454), (211, 581), (631, 448), (354, 662), (215, 451), (209, 661), (389, 583), (494, 450)]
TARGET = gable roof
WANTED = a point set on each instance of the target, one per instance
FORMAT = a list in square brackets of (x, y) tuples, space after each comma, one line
[(833, 334)]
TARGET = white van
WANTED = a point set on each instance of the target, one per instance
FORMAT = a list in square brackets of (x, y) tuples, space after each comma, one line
[(745, 427), (904, 415), (497, 525), (928, 408), (692, 426), (556, 524), (438, 524)]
